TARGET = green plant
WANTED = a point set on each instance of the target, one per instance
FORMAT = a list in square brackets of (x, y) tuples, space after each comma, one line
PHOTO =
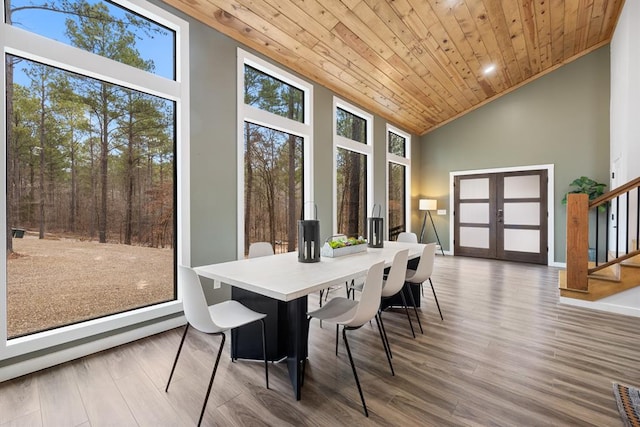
[(351, 241), (587, 186)]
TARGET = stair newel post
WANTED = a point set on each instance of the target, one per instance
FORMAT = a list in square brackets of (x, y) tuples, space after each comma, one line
[(577, 241)]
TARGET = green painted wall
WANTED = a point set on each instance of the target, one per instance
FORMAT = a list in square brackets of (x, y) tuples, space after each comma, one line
[(561, 119)]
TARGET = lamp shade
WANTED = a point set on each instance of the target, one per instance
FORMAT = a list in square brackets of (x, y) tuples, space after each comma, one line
[(428, 204)]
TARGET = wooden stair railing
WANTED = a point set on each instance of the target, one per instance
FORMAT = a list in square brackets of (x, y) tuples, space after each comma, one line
[(578, 233)]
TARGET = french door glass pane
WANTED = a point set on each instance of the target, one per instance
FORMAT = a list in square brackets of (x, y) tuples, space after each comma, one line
[(351, 192), (477, 213), (474, 237), (90, 198), (522, 240), (522, 213), (273, 180), (475, 188), (526, 186), (397, 199), (100, 27)]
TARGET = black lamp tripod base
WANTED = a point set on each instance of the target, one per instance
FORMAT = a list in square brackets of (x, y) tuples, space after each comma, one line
[(424, 222)]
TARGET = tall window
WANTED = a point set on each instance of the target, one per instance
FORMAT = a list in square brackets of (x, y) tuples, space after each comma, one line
[(275, 145), (398, 177), (93, 90), (353, 157)]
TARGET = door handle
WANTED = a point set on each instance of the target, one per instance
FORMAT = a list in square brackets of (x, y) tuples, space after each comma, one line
[(500, 215)]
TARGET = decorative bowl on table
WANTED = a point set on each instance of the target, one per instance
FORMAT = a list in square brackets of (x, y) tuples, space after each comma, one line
[(333, 248)]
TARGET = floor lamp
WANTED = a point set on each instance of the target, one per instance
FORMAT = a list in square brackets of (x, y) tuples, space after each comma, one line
[(429, 205)]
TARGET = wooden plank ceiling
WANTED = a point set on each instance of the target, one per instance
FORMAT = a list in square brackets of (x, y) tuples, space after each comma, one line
[(417, 63)]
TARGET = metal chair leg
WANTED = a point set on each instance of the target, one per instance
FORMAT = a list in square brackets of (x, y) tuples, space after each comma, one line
[(337, 332), (213, 375), (385, 344), (353, 368), (384, 332), (175, 362), (406, 309), (436, 298), (234, 345), (264, 353), (413, 301)]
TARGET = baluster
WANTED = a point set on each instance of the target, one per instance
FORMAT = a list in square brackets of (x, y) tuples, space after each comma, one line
[(617, 225), (626, 231), (638, 218)]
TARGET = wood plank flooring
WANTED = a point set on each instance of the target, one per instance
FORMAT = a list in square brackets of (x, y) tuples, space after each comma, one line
[(506, 354)]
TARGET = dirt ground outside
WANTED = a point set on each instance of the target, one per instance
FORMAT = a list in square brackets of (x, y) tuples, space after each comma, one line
[(55, 282)]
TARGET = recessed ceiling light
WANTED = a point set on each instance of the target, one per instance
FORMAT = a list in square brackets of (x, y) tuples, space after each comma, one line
[(490, 69)]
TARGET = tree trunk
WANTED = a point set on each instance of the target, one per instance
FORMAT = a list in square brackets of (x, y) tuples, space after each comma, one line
[(248, 183), (291, 209), (353, 188), (41, 211), (104, 171), (73, 204), (128, 220), (93, 203), (291, 212), (10, 143)]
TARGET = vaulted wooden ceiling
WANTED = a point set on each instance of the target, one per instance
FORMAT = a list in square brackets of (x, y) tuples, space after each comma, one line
[(417, 63)]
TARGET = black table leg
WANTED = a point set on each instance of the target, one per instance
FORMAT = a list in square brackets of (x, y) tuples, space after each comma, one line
[(286, 326), (297, 342)]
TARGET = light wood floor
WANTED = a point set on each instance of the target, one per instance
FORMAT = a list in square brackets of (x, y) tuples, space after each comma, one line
[(506, 355)]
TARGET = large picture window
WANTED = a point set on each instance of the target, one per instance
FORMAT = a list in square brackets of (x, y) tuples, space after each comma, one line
[(353, 157), (276, 142), (92, 150), (398, 181)]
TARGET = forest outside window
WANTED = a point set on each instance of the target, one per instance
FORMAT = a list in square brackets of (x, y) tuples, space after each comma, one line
[(353, 156), (398, 176), (276, 147), (91, 166)]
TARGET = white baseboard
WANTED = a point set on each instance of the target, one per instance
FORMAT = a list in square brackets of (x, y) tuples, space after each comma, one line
[(53, 358)]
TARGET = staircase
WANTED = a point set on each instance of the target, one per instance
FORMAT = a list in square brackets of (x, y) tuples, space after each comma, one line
[(615, 266)]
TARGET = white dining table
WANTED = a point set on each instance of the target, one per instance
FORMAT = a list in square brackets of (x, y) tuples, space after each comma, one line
[(281, 277)]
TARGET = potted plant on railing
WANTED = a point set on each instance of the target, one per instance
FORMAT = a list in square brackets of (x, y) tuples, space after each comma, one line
[(594, 190)]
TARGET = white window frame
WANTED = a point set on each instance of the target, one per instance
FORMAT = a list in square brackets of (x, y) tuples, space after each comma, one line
[(260, 117), (351, 145), (406, 162), (17, 41)]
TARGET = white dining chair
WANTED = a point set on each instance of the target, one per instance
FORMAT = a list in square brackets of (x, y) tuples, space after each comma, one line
[(392, 285), (325, 292), (214, 320), (422, 274), (410, 238), (259, 249), (407, 237), (353, 314)]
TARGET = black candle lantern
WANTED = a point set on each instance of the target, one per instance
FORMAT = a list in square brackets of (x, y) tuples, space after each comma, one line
[(309, 239), (376, 226)]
